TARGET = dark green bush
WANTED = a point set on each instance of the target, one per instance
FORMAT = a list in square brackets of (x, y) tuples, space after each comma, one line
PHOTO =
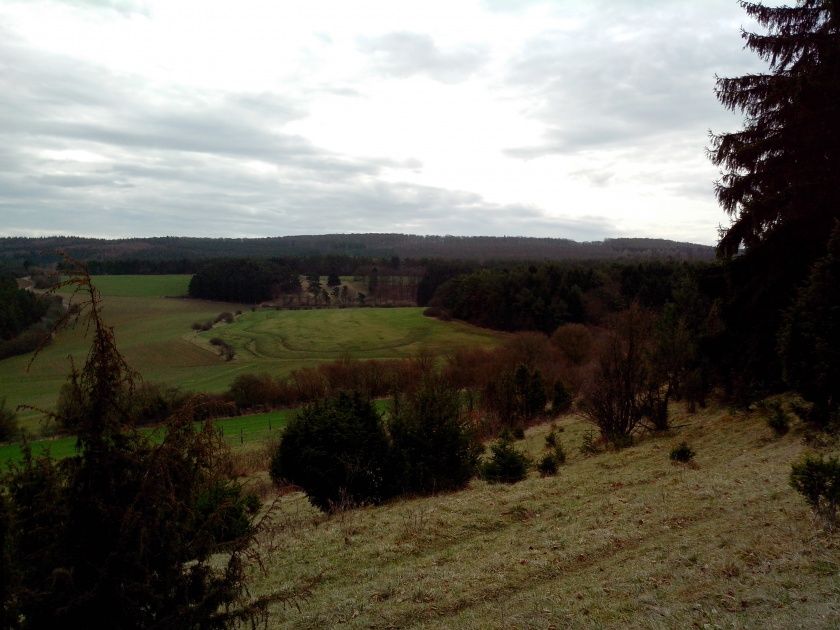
[(555, 455), (588, 445), (226, 350), (506, 464), (226, 511), (548, 465), (561, 401), (682, 453), (818, 480), (778, 420), (336, 451), (433, 448), (155, 402)]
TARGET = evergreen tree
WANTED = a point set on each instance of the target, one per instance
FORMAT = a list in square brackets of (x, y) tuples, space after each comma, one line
[(779, 180), (780, 170), (434, 448), (810, 340), (127, 533)]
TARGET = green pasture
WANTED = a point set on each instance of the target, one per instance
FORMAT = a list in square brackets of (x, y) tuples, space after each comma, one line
[(237, 431), (154, 334), (143, 286), (364, 333)]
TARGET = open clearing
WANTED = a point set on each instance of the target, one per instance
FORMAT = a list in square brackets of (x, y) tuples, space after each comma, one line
[(365, 333), (154, 334), (616, 540)]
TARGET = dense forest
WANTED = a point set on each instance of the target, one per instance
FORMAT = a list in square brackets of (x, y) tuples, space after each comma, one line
[(242, 280), (18, 252), (18, 308)]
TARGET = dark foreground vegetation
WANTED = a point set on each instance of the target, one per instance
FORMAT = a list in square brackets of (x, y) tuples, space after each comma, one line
[(128, 533)]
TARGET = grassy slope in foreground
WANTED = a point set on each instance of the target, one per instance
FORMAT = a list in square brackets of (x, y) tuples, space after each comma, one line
[(154, 334), (617, 540)]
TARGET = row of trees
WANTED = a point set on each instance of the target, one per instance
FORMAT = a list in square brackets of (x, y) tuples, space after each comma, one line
[(19, 308), (242, 280)]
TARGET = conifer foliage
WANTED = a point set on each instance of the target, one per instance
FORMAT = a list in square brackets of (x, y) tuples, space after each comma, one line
[(780, 170), (127, 533), (778, 183)]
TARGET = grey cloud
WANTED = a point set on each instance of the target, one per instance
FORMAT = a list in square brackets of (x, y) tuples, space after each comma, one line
[(185, 165), (597, 89), (405, 54)]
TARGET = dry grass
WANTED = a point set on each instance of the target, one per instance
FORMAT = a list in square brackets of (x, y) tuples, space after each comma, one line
[(620, 539)]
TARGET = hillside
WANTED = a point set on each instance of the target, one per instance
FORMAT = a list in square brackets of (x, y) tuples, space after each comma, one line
[(615, 540), (16, 250)]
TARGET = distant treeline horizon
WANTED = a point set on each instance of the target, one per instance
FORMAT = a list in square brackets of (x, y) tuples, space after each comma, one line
[(26, 251)]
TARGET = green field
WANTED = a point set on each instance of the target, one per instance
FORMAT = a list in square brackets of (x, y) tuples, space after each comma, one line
[(237, 431), (154, 333), (143, 286), (365, 333)]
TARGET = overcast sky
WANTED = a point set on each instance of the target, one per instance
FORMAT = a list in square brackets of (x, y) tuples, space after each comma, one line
[(578, 119)]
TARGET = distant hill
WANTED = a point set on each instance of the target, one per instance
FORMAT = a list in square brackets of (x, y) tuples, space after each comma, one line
[(16, 250)]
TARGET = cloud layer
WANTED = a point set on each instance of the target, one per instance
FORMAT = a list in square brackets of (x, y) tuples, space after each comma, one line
[(133, 119)]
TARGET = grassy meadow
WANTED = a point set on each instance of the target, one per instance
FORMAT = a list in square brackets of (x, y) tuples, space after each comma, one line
[(237, 431), (153, 331), (616, 540)]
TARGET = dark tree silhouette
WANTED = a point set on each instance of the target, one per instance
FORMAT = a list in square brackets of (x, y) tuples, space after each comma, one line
[(780, 170), (779, 182), (127, 533), (810, 340)]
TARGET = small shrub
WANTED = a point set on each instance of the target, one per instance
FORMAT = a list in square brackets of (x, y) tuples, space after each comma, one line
[(226, 350), (561, 400), (197, 326), (437, 312), (336, 451), (778, 420), (555, 447), (249, 390), (433, 447), (506, 464), (682, 453), (225, 317), (818, 480), (588, 445), (616, 398), (154, 402), (547, 465), (559, 453)]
